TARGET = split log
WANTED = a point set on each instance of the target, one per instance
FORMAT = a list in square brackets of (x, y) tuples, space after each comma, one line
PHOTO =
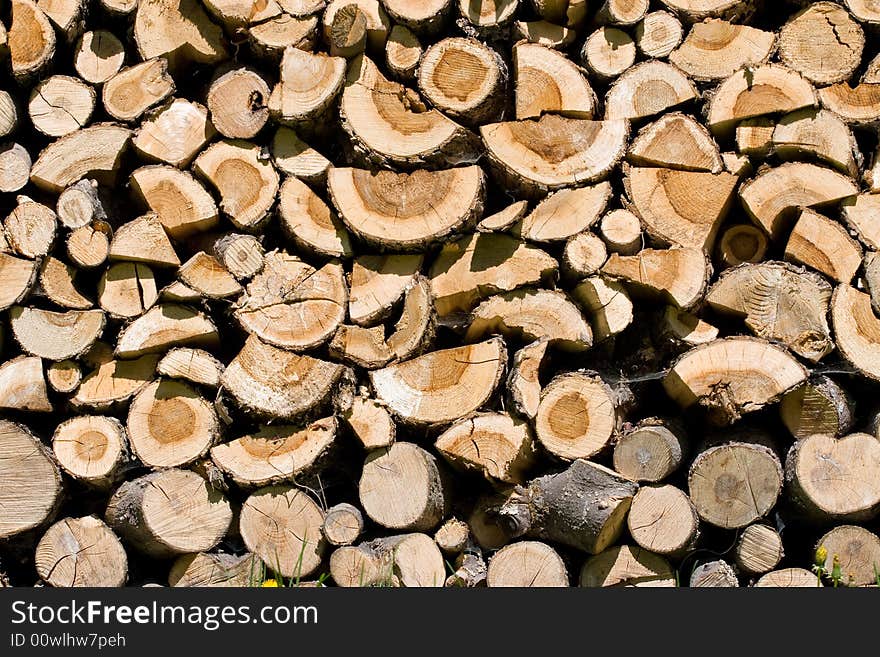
[(732, 376), (527, 315), (681, 330), (310, 223), (292, 305), (565, 213), (811, 133), (817, 406), (90, 152), (857, 213), (377, 20), (789, 578), (650, 451), (816, 465), (636, 93), (545, 33), (246, 183), (208, 277), (856, 329), (622, 12), (734, 484), (607, 303), (479, 265), (134, 90), (453, 537), (608, 52), (163, 326), (127, 290), (773, 195), (714, 574), (504, 220), (663, 520), (371, 423), (174, 133), (55, 336), (169, 512), (824, 245), (8, 114), (758, 549), (577, 415), (81, 552), (91, 449), (377, 284), (98, 56), (523, 385), (677, 275), (856, 105), (112, 382), (465, 79), (31, 489), (390, 210), (487, 18), (23, 385), (308, 86), (195, 365), (422, 17), (403, 51), (778, 303), (442, 386), (276, 453), (213, 569), (30, 228), (526, 564), (296, 158), (494, 444), (864, 11), (268, 381), (68, 16), (169, 424), (60, 105), (584, 507), (269, 39), (343, 524), (626, 566), (859, 552), (181, 204), (546, 81), (675, 141), (409, 560), (282, 526), (15, 167), (742, 243), (178, 29), (401, 488), (658, 34), (31, 40), (347, 33)]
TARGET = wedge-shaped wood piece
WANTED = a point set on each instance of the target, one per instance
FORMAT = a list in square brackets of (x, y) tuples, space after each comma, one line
[(818, 406), (627, 566), (364, 347), (23, 385), (822, 42), (163, 326), (309, 84), (552, 152), (407, 210), (859, 550), (734, 484), (134, 90), (565, 213), (675, 141), (859, 105), (181, 204), (546, 81), (860, 215), (59, 283), (414, 330), (683, 330), (442, 386), (213, 569), (31, 40), (697, 10), (296, 158), (504, 219), (824, 245), (206, 275), (772, 196), (179, 30), (479, 265), (127, 289), (647, 89), (577, 416), (716, 49), (195, 365), (246, 182), (55, 336), (817, 464), (275, 454), (387, 124), (174, 133), (377, 284), (91, 449), (678, 275), (732, 376), (144, 240), (494, 444), (680, 207), (93, 151), (17, 275), (269, 381), (464, 78), (371, 423), (310, 223), (767, 89), (532, 314), (523, 383), (856, 329), (114, 381), (778, 302), (292, 305), (169, 512), (170, 424), (31, 489), (607, 304), (822, 134)]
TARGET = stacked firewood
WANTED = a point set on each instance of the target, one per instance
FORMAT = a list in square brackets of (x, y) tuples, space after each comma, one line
[(439, 292)]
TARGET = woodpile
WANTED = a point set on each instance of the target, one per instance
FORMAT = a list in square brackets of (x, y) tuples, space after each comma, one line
[(439, 293)]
